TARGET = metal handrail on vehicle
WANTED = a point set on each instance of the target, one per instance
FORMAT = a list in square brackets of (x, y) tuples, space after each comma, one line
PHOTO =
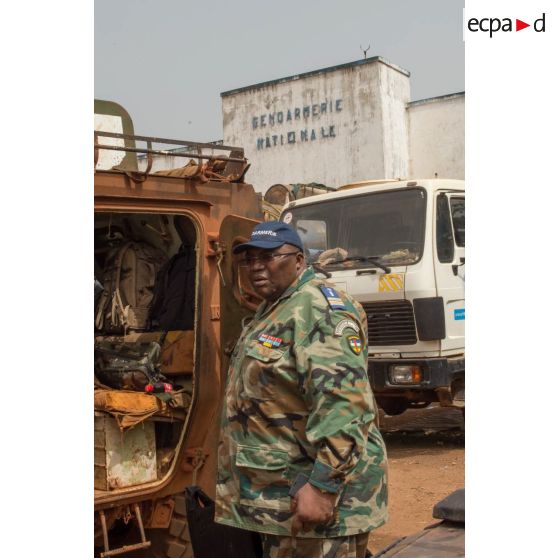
[(151, 140), (172, 153)]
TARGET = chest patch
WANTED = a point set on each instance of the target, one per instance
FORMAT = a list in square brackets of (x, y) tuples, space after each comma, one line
[(355, 344), (333, 298), (269, 341), (343, 325)]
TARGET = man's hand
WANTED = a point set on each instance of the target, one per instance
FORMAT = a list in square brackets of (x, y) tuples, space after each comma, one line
[(311, 507)]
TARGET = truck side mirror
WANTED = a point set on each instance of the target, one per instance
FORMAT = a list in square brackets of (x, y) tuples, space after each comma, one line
[(458, 259)]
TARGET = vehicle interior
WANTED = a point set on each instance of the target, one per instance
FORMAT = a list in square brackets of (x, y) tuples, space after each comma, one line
[(145, 308)]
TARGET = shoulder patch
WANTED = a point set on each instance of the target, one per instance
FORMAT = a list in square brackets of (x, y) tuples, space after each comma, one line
[(333, 298), (343, 325), (355, 344)]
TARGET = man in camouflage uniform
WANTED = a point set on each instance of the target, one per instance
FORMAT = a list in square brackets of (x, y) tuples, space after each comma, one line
[(298, 402)]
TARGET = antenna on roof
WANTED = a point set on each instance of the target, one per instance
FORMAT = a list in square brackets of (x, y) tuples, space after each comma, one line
[(365, 50)]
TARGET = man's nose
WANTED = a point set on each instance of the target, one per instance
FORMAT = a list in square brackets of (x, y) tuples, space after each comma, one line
[(256, 263)]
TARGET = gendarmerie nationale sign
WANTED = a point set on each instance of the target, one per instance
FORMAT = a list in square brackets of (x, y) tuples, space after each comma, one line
[(276, 128)]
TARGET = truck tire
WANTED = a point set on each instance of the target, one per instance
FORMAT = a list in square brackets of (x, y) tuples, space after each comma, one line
[(173, 542), (393, 405)]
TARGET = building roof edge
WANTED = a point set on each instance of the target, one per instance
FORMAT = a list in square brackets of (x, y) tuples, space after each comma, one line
[(439, 98), (315, 73)]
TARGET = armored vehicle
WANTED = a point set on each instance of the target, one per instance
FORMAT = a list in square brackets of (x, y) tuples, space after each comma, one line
[(158, 375)]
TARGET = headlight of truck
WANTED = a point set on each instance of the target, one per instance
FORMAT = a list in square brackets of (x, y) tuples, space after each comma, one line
[(405, 374)]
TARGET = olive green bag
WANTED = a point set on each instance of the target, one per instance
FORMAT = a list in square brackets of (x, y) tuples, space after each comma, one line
[(128, 281)]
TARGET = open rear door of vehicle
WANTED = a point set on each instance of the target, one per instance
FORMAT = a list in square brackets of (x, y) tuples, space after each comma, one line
[(238, 300)]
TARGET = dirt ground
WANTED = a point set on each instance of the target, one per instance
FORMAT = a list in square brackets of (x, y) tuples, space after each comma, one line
[(426, 455)]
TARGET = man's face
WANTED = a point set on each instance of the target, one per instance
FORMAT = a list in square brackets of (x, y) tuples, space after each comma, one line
[(271, 277)]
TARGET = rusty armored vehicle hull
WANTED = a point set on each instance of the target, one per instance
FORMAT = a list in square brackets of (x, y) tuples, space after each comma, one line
[(148, 449)]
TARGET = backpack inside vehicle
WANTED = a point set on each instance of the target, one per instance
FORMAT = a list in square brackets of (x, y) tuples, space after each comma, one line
[(145, 274)]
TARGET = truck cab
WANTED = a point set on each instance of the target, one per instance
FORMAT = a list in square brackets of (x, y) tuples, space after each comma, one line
[(398, 247)]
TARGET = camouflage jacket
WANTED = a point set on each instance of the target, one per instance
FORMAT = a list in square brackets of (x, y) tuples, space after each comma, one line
[(298, 400)]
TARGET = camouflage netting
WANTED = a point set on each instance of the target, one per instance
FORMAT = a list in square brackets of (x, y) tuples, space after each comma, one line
[(213, 169)]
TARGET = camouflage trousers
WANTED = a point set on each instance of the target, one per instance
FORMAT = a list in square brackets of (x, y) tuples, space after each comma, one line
[(353, 546)]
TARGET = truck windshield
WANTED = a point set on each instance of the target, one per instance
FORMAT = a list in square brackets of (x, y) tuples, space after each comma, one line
[(353, 232)]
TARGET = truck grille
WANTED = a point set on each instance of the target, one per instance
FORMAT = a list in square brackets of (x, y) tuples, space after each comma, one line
[(390, 322)]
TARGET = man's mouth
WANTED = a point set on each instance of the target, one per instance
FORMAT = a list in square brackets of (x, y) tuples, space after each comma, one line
[(259, 281)]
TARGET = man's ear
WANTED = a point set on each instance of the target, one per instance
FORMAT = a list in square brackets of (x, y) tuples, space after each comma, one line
[(300, 261)]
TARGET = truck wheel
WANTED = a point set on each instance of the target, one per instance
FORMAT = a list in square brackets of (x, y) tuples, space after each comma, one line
[(393, 405), (173, 542)]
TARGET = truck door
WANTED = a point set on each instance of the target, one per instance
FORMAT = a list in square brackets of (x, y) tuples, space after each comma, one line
[(237, 300), (449, 266)]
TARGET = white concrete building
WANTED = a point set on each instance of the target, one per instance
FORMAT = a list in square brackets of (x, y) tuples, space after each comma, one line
[(343, 124), (437, 137)]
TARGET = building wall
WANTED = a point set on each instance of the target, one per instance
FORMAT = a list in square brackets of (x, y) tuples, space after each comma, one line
[(437, 137), (332, 126), (364, 128), (394, 124)]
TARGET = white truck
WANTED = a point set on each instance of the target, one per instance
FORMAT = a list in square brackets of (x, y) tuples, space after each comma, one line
[(399, 248)]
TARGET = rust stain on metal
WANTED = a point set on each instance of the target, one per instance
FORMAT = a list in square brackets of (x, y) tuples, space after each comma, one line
[(194, 458), (209, 206)]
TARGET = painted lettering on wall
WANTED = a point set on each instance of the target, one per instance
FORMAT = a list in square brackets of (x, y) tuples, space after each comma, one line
[(271, 125)]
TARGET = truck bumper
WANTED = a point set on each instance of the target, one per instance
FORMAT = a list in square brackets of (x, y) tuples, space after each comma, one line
[(443, 380)]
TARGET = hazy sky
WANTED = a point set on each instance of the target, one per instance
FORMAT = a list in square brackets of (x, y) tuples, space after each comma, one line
[(167, 61)]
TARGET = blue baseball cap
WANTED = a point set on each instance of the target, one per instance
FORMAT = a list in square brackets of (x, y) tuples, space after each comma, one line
[(269, 235)]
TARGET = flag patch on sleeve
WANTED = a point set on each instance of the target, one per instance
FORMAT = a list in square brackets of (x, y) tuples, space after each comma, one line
[(333, 298)]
